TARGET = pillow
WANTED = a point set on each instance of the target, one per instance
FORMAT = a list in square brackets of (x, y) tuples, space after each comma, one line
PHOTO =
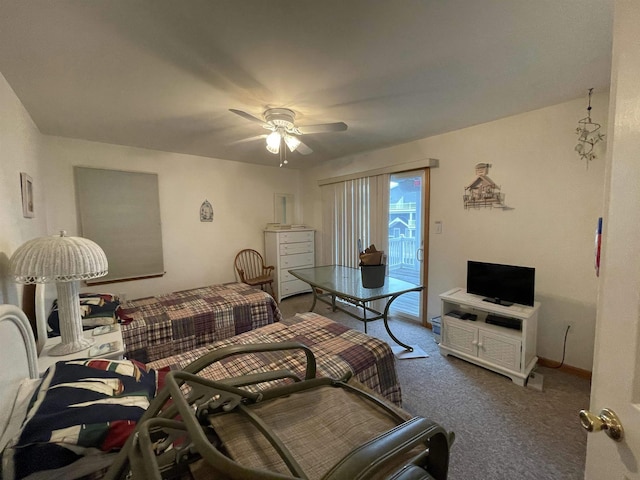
[(82, 408), (96, 309)]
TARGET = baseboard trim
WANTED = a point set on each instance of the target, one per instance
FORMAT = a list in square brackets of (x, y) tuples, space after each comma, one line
[(545, 362)]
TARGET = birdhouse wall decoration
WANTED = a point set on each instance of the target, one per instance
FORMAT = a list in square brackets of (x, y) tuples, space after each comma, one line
[(588, 135), (482, 191)]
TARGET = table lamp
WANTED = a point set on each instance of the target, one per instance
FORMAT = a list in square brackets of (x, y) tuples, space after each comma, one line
[(65, 261)]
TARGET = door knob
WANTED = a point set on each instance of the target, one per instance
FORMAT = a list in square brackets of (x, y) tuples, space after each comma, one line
[(607, 421)]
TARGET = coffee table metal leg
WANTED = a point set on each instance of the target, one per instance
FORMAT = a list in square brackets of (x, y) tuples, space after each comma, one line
[(386, 325), (315, 298), (364, 315)]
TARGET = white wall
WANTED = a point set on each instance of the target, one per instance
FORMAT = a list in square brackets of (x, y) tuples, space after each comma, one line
[(20, 150), (195, 253), (555, 202)]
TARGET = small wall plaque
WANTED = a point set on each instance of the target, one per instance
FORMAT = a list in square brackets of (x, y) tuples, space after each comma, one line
[(26, 186), (206, 212)]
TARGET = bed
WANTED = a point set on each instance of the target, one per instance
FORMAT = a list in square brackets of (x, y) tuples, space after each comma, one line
[(164, 325), (339, 350), (235, 313)]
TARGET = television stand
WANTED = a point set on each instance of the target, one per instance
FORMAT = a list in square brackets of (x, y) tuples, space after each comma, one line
[(497, 301), (497, 344)]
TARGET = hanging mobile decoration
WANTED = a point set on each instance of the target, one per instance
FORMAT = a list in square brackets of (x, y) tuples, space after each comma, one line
[(588, 135)]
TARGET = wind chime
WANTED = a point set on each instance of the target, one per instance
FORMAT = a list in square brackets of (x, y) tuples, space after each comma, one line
[(588, 135)]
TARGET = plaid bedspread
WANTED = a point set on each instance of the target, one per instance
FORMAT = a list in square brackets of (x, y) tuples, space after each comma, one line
[(338, 350), (179, 322)]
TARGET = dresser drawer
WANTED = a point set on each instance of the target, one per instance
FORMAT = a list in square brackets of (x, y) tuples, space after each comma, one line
[(296, 260), (293, 237), (293, 248), (292, 287), (285, 276)]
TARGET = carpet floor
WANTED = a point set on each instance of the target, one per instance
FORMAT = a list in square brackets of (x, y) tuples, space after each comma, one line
[(503, 431)]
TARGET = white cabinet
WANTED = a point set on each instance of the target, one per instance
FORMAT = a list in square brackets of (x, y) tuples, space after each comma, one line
[(509, 351), (287, 250)]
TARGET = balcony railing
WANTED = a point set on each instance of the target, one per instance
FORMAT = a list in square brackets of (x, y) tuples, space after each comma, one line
[(402, 252), (402, 207)]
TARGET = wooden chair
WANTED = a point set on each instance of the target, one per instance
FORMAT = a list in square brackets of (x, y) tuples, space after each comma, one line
[(252, 270)]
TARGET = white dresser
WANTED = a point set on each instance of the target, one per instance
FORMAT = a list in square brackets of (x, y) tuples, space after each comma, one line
[(287, 250)]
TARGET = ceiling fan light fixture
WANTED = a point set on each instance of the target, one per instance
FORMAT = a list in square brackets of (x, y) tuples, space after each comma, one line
[(292, 142), (280, 117), (281, 123), (273, 142)]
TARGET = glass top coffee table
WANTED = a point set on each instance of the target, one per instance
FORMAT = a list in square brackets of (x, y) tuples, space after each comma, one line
[(336, 281)]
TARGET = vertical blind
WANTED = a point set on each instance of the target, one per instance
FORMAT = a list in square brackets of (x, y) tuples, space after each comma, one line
[(355, 209), (120, 211)]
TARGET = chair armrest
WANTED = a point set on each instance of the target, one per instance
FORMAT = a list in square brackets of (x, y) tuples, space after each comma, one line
[(366, 459)]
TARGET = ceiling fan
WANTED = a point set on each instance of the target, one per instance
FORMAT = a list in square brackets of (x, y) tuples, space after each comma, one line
[(281, 122)]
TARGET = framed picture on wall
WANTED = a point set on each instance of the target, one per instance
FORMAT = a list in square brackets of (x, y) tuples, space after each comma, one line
[(26, 183)]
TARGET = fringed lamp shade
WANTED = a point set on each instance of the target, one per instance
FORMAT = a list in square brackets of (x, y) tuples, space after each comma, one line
[(63, 260)]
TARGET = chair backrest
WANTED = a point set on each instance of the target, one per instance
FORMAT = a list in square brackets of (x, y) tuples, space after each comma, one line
[(249, 264)]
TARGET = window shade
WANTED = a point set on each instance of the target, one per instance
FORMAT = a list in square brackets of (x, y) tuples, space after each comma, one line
[(120, 211), (352, 210)]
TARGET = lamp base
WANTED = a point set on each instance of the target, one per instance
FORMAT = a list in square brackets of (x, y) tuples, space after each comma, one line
[(77, 345), (72, 338)]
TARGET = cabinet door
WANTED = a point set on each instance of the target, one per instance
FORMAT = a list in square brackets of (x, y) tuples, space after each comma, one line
[(500, 350), (460, 335)]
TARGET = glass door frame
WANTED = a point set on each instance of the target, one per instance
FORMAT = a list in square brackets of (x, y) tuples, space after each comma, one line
[(424, 233)]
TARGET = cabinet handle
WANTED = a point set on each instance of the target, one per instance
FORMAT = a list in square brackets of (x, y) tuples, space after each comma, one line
[(474, 343)]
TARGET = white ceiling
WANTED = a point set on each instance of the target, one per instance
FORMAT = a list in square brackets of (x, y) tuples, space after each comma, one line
[(163, 74)]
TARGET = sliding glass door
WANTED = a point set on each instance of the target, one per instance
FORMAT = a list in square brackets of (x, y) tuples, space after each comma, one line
[(389, 210), (406, 248)]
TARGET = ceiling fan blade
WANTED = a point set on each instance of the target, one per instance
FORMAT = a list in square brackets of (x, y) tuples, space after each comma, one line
[(250, 139), (248, 116), (323, 127), (303, 149)]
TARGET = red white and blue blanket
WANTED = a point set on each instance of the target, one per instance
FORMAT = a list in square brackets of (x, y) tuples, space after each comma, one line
[(81, 408)]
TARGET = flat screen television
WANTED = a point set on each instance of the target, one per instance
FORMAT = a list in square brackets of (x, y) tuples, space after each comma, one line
[(501, 284)]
